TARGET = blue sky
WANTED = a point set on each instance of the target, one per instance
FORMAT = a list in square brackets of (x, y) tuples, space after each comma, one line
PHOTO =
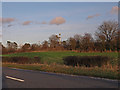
[(34, 14)]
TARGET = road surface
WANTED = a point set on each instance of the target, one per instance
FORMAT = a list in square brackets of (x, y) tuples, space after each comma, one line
[(18, 78)]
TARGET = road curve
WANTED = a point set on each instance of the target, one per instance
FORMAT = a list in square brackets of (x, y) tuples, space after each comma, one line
[(37, 79)]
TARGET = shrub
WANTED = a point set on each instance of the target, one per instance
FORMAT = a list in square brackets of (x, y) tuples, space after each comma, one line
[(70, 60), (21, 60), (37, 60), (88, 61)]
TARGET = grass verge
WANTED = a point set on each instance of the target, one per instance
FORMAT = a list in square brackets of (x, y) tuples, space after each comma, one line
[(103, 72)]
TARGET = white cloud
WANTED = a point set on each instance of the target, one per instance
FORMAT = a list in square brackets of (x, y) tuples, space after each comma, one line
[(114, 10), (92, 16), (43, 22), (27, 22), (7, 20), (58, 21)]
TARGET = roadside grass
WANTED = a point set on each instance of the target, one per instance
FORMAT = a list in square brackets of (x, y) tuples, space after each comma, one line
[(103, 72), (57, 57), (53, 62)]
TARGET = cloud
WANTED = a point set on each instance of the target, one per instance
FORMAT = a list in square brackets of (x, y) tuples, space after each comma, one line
[(43, 22), (58, 21), (114, 10), (27, 22), (7, 20), (92, 16)]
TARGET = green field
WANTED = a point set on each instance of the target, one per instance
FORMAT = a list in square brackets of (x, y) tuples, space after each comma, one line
[(53, 62), (57, 57)]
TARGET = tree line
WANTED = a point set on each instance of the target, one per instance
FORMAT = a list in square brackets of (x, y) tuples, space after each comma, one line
[(106, 39)]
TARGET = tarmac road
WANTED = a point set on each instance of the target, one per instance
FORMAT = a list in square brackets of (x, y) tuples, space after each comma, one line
[(18, 78)]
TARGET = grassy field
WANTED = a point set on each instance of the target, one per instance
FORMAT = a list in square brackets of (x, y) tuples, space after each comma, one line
[(57, 57), (53, 62)]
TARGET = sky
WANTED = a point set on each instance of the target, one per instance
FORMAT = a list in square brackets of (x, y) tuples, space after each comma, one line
[(60, 0), (34, 22)]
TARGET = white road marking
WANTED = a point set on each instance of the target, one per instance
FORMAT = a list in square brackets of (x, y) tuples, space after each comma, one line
[(14, 78)]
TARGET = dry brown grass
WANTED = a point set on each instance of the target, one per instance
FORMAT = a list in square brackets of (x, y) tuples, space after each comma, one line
[(107, 71)]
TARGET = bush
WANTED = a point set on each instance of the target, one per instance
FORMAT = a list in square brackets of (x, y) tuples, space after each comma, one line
[(88, 61), (21, 60), (37, 60)]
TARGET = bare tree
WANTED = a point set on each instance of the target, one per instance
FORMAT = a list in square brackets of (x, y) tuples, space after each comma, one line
[(54, 41), (26, 47), (107, 32), (45, 44), (34, 47), (87, 42), (78, 39), (72, 43), (12, 46)]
